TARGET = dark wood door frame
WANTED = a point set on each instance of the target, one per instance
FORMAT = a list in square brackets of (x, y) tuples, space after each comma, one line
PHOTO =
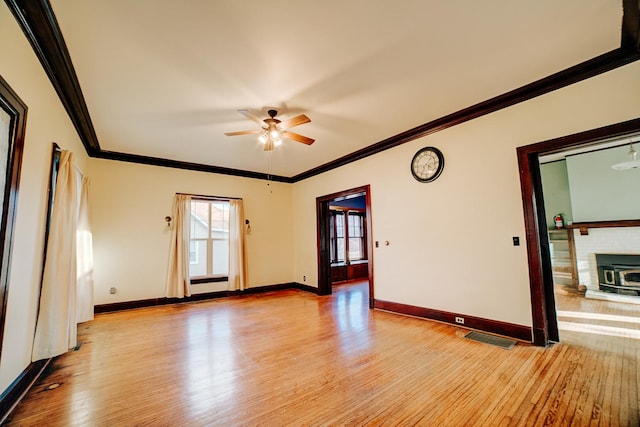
[(323, 225), (16, 110), (545, 323)]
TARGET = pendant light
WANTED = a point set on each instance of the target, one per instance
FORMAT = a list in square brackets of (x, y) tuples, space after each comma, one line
[(631, 164)]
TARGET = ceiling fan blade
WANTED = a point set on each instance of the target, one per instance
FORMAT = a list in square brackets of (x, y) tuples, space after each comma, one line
[(250, 116), (242, 132), (294, 121), (297, 137)]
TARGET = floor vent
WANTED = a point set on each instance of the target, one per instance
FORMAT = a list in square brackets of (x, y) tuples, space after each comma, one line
[(505, 343)]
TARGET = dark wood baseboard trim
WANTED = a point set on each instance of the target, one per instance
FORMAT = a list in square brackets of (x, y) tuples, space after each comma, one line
[(518, 332), (19, 388), (304, 287), (128, 305), (21, 385)]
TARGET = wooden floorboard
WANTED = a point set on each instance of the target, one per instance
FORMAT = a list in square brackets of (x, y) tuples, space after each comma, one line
[(293, 358)]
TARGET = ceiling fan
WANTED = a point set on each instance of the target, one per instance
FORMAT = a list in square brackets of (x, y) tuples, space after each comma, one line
[(274, 130)]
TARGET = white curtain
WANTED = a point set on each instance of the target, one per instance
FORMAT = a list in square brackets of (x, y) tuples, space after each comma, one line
[(84, 254), (237, 250), (178, 280), (56, 327)]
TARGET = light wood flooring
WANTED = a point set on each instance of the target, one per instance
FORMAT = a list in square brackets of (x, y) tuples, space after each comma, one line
[(293, 358)]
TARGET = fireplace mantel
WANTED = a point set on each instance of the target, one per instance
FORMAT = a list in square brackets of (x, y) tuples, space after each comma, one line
[(585, 226)]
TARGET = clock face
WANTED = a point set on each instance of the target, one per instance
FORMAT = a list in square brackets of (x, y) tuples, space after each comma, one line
[(427, 164)]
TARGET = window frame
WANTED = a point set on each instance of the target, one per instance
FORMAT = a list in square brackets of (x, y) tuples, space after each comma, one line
[(362, 237), (208, 278), (334, 212)]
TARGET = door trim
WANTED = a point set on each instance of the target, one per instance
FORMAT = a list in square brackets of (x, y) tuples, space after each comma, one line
[(545, 323), (322, 222)]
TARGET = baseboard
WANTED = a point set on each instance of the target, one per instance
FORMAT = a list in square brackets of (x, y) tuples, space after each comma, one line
[(19, 388), (21, 385), (128, 305), (304, 287), (518, 332)]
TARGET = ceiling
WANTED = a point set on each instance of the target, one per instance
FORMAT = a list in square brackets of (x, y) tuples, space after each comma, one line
[(165, 79)]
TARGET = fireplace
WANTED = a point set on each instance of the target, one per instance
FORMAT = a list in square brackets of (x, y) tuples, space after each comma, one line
[(619, 273)]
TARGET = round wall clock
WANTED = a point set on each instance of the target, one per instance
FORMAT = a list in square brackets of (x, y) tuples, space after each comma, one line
[(427, 164)]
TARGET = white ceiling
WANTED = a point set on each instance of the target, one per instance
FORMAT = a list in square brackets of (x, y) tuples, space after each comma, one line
[(164, 78)]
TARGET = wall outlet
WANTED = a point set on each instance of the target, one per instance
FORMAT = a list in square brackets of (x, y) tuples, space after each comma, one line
[(304, 278), (460, 320), (112, 290)]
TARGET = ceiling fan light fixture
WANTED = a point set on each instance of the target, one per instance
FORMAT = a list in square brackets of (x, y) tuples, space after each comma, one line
[(273, 130), (269, 145)]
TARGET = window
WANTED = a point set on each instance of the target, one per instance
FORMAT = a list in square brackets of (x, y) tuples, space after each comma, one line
[(209, 234), (337, 237), (356, 235), (347, 237)]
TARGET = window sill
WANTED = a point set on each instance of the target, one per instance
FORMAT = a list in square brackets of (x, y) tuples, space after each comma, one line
[(342, 264), (198, 280)]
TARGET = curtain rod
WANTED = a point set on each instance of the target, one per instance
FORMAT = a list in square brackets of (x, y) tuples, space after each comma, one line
[(202, 196)]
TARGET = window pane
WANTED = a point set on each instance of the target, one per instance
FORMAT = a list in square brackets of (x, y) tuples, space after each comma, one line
[(341, 249), (199, 220), (198, 258), (351, 225), (209, 252), (355, 248), (332, 235), (220, 255), (5, 137), (355, 225), (340, 225), (219, 217)]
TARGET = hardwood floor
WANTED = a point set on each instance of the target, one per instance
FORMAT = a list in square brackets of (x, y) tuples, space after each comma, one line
[(293, 358)]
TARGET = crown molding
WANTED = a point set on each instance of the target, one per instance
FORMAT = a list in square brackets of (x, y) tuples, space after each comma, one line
[(176, 164), (39, 24), (41, 28), (590, 68)]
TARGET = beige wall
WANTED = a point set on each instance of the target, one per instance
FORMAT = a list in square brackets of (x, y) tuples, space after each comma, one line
[(131, 240), (557, 195), (595, 188), (47, 122), (450, 240)]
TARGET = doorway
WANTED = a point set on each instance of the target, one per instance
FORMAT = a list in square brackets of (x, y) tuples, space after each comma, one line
[(545, 321), (595, 238), (327, 238)]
